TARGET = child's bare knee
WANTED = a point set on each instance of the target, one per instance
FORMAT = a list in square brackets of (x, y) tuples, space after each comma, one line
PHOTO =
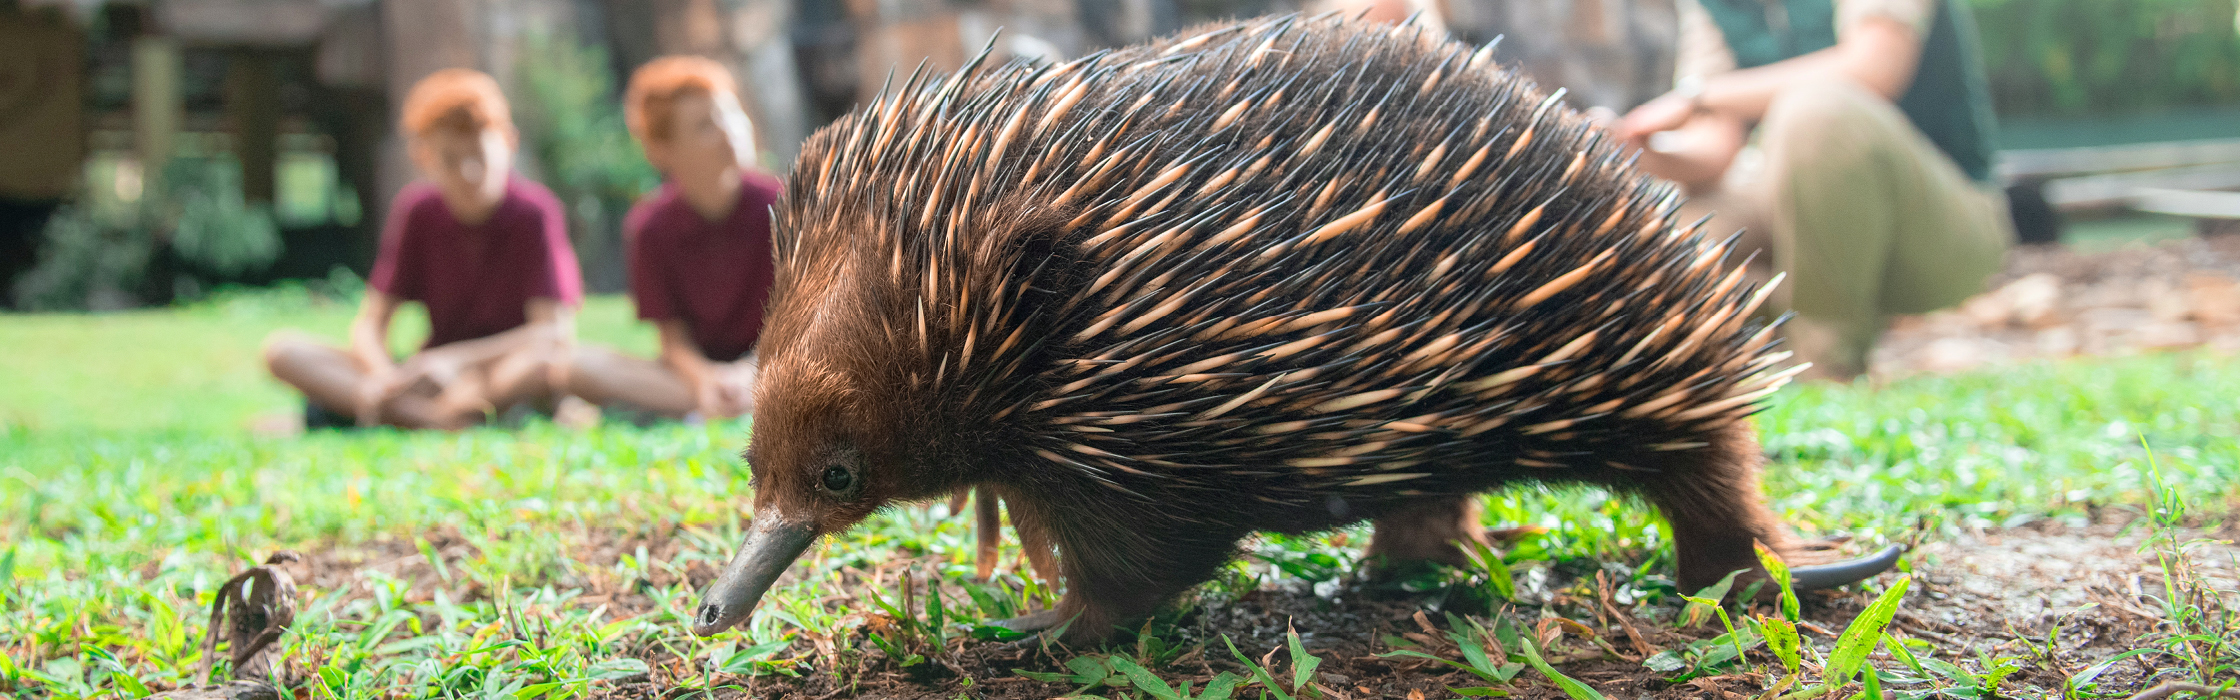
[(280, 346)]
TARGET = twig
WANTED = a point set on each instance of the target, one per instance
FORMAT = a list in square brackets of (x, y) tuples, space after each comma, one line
[(1625, 621), (1935, 637), (1922, 626), (2170, 688), (1916, 619), (1577, 657)]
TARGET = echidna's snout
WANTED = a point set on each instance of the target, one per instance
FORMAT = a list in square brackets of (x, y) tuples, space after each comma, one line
[(1812, 578), (771, 546)]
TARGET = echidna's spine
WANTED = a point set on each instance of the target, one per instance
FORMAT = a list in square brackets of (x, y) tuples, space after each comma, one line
[(1318, 267)]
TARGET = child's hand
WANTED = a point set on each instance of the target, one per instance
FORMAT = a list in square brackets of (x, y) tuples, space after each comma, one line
[(376, 389), (707, 398), (737, 382), (435, 367)]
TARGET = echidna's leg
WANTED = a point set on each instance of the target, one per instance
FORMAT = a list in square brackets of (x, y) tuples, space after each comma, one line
[(1042, 556), (990, 529), (1430, 529), (1119, 567), (1114, 588), (1712, 498)]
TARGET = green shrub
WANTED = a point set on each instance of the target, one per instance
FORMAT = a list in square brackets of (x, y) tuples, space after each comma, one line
[(189, 230)]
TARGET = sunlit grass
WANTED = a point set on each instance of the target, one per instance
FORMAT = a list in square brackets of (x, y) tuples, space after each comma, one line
[(130, 488)]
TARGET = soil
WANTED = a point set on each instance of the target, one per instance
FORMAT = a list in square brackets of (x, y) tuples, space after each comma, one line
[(2000, 592)]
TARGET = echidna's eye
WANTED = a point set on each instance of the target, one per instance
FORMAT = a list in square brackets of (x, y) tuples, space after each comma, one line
[(838, 480)]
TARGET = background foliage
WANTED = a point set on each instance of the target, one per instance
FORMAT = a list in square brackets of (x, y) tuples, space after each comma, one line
[(2074, 57), (189, 229), (572, 116)]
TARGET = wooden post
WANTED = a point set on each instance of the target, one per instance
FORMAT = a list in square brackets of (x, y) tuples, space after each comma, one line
[(253, 107), (156, 101), (43, 130)]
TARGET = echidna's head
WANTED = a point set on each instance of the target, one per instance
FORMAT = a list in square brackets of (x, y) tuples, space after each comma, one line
[(828, 446)]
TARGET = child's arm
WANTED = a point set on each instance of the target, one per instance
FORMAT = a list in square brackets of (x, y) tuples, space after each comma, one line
[(550, 324), (369, 345), (683, 356)]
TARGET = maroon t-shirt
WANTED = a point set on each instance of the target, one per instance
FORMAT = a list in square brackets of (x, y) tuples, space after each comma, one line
[(713, 275), (477, 280)]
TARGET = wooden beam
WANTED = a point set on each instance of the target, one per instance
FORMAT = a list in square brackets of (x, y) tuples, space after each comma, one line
[(2060, 162), (2198, 204)]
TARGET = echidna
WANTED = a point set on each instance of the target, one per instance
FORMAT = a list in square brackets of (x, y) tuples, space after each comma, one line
[(1277, 275)]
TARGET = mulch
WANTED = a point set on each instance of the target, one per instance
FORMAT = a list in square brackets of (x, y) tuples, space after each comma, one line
[(2054, 302)]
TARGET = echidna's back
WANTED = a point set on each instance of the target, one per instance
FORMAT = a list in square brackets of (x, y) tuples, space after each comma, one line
[(1316, 256)]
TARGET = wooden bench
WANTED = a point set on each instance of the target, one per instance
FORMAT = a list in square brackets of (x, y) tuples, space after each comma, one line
[(2182, 178)]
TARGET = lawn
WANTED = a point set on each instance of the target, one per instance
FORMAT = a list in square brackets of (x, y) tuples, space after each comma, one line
[(541, 562)]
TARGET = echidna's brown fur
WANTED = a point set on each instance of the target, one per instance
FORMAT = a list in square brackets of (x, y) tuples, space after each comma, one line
[(1275, 275)]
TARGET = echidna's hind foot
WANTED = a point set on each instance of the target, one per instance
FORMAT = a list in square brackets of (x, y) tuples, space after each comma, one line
[(1711, 497), (1033, 622), (1426, 530)]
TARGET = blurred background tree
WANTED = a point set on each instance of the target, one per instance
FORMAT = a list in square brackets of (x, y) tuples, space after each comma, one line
[(2109, 57), (571, 122)]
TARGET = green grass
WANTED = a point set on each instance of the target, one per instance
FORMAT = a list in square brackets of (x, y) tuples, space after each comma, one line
[(130, 488), (197, 369)]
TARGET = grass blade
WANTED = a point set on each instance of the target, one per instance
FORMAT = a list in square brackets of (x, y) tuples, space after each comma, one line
[(1302, 663), (1259, 673), (1221, 687), (1781, 637), (1859, 638), (1778, 570), (1700, 610), (1143, 679), (1570, 686)]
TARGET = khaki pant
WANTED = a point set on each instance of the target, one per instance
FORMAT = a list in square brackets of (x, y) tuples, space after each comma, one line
[(1866, 216)]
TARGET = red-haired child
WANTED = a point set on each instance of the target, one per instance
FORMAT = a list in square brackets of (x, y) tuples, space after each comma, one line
[(484, 250), (698, 249)]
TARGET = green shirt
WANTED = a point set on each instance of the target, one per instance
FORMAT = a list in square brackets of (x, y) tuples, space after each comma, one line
[(1949, 99)]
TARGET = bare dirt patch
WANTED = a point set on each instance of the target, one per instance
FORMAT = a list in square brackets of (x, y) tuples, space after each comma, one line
[(2067, 596)]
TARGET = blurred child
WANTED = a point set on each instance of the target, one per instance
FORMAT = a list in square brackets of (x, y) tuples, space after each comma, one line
[(698, 248), (485, 251)]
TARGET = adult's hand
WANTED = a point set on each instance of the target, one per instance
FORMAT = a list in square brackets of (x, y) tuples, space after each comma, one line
[(1665, 113), (707, 397), (1681, 143)]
